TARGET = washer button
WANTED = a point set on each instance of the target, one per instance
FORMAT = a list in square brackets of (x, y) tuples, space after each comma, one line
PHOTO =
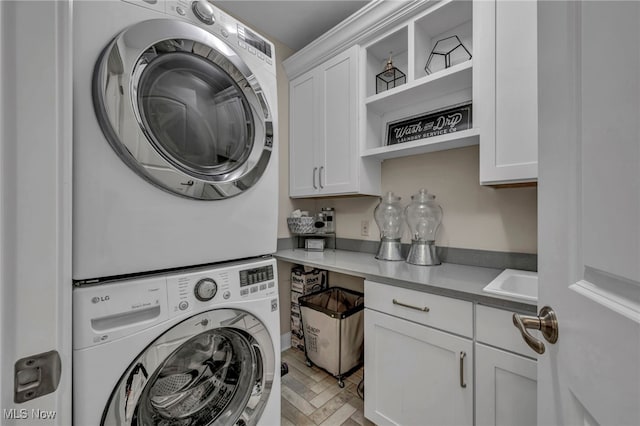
[(260, 55), (224, 33), (254, 289), (180, 11), (244, 292), (252, 50), (242, 44), (263, 286), (226, 295), (272, 284), (183, 305), (269, 61)]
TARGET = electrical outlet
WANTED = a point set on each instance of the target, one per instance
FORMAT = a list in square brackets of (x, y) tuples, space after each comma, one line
[(364, 228)]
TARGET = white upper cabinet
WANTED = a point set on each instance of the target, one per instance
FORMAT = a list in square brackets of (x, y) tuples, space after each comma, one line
[(505, 90), (340, 116), (324, 155)]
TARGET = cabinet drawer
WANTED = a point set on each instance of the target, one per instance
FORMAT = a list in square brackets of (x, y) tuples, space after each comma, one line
[(495, 327), (444, 313)]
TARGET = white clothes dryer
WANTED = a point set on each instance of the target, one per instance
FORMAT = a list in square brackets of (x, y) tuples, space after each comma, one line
[(195, 348), (174, 151)]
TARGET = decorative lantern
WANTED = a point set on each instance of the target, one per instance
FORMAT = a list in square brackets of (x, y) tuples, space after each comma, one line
[(388, 216), (423, 215), (446, 52), (390, 77)]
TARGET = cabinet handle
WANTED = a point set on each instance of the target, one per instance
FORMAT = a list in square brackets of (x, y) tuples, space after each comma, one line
[(462, 356), (320, 177), (417, 308), (314, 178)]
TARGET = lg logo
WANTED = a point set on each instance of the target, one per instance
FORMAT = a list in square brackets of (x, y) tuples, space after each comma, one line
[(97, 299)]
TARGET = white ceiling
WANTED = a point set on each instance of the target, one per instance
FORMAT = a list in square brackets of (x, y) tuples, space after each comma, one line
[(295, 23)]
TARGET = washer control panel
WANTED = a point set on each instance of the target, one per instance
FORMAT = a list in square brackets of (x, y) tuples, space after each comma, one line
[(230, 282), (205, 289), (107, 312), (255, 280)]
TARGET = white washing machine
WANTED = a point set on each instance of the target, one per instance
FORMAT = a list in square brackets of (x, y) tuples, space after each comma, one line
[(174, 151), (195, 348)]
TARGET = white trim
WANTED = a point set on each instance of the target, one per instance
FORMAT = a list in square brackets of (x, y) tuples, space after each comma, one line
[(366, 23), (615, 302), (285, 341)]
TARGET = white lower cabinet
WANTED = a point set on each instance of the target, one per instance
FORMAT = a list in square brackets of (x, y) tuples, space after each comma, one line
[(506, 388), (506, 371), (420, 373), (416, 375)]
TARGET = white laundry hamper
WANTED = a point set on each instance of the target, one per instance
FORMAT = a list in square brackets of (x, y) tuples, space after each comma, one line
[(333, 324)]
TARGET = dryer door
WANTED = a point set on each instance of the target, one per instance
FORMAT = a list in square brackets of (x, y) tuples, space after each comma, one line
[(182, 109), (215, 368)]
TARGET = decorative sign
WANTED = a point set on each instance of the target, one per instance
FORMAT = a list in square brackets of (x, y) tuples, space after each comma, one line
[(428, 125)]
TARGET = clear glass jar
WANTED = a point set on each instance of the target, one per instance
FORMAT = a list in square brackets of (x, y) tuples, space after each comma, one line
[(424, 216), (388, 216)]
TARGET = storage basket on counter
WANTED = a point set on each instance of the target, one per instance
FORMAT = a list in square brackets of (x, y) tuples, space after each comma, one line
[(333, 324), (301, 225)]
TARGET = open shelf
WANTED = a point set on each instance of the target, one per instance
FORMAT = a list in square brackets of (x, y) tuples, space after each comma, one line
[(423, 93), (422, 146), (432, 86)]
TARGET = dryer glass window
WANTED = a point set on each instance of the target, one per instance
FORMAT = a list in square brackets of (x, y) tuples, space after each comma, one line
[(197, 116), (205, 380)]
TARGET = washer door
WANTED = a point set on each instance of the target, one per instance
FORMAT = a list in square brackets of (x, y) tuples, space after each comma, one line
[(183, 110), (215, 368)]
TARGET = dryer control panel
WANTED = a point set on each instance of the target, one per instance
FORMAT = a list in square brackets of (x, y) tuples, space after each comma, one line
[(250, 45)]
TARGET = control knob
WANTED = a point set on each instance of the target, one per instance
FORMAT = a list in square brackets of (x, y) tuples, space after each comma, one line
[(203, 11), (205, 289)]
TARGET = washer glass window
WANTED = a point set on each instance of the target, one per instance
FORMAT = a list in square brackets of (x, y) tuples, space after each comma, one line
[(212, 369), (208, 377)]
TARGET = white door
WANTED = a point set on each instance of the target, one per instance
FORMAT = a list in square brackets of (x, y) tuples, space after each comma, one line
[(35, 210), (589, 211), (303, 166), (338, 163)]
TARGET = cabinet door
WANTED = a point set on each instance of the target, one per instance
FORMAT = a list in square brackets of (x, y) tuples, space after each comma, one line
[(339, 147), (506, 90), (506, 388), (414, 374), (304, 123)]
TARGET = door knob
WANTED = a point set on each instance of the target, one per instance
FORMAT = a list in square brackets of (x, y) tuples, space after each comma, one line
[(546, 322)]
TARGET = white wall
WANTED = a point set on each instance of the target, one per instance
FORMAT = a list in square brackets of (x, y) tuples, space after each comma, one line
[(475, 216)]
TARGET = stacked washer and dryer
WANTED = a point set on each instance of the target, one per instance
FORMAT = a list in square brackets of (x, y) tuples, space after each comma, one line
[(175, 305)]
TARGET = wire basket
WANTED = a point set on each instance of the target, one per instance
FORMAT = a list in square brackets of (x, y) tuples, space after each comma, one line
[(301, 225)]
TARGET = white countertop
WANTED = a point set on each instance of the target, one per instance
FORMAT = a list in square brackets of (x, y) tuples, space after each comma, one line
[(448, 279)]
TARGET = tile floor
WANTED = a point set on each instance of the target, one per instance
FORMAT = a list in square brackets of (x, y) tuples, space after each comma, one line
[(312, 397)]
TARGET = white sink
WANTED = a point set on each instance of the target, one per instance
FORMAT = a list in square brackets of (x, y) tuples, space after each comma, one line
[(522, 285)]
